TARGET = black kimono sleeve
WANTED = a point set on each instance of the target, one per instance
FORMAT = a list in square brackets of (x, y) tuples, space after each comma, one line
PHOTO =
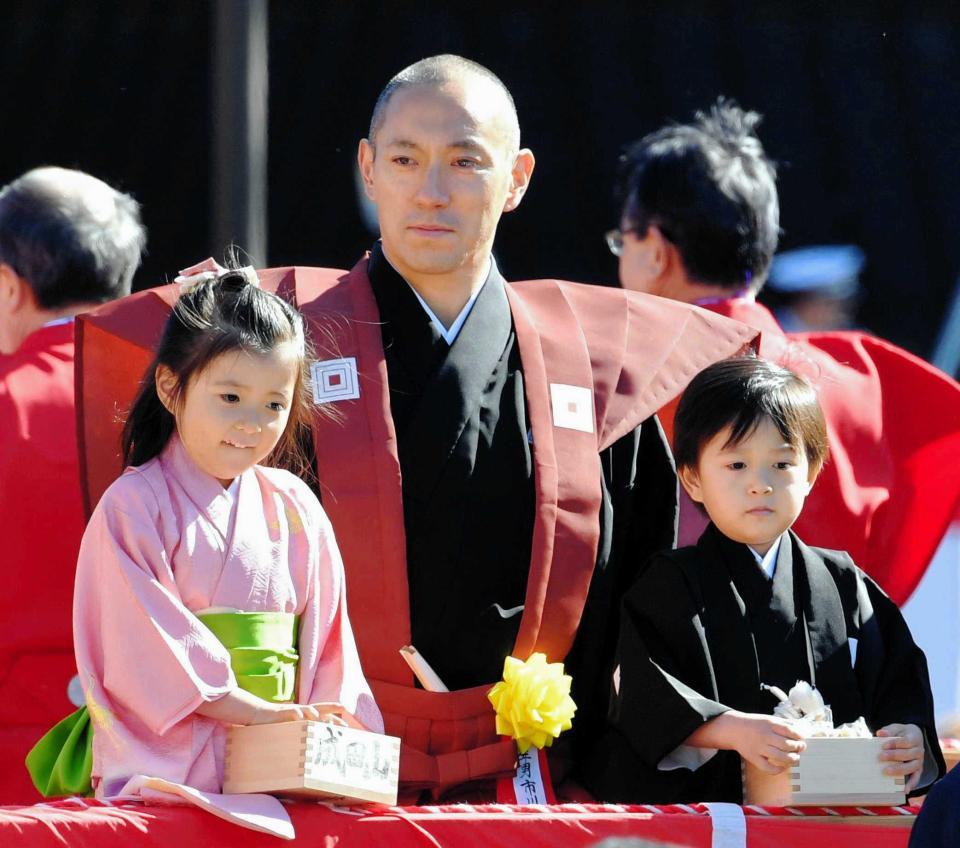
[(666, 688), (638, 517), (666, 691), (890, 668)]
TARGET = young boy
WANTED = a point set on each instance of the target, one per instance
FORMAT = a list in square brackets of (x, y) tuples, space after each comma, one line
[(703, 627)]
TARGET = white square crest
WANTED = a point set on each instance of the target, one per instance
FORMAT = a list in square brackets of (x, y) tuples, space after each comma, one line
[(572, 407), (335, 379)]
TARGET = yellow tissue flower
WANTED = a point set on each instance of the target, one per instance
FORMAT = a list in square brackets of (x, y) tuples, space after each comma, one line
[(533, 702)]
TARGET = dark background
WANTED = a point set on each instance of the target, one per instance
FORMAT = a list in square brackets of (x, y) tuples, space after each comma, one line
[(862, 106)]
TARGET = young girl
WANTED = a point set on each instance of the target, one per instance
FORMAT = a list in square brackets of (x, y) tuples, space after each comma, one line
[(209, 588), (704, 627)]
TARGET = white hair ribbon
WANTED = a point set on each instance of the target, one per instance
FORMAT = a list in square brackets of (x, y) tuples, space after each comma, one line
[(210, 270)]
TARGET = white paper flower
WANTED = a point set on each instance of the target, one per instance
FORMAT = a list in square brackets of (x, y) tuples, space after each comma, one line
[(806, 699)]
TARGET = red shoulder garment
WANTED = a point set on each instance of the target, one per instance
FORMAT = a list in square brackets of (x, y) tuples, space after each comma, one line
[(630, 353)]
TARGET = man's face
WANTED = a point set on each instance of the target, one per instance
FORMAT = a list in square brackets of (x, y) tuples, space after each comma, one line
[(639, 270), (442, 170)]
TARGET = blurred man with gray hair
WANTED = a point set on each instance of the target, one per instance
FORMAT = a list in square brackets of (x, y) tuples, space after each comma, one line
[(68, 241)]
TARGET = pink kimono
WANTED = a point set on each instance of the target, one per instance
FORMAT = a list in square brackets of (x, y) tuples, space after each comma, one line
[(164, 542)]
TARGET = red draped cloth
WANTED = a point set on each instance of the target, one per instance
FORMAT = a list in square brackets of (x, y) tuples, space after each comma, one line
[(892, 484), (41, 522)]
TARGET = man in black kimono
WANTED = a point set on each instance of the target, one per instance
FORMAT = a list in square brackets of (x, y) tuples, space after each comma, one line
[(442, 162), (457, 388)]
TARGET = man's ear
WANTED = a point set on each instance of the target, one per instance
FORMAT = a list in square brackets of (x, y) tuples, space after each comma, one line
[(14, 291), (690, 480), (519, 178), (166, 382), (365, 156), (662, 253)]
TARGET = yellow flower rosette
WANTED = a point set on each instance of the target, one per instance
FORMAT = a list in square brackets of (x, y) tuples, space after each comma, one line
[(533, 702)]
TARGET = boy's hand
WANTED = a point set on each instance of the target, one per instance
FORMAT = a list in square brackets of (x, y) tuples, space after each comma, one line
[(769, 743), (905, 754)]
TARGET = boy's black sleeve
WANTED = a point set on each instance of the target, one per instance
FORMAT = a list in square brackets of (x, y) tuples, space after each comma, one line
[(637, 518), (665, 678), (892, 671), (664, 692)]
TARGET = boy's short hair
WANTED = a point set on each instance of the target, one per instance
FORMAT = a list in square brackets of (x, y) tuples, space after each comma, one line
[(739, 393)]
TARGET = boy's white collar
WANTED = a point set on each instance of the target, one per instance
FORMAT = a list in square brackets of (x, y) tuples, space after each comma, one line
[(768, 562)]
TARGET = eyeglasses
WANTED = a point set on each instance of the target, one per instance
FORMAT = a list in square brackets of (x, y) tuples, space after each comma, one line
[(614, 239)]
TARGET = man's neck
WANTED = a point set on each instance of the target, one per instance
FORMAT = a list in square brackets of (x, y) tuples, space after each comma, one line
[(446, 294), (36, 319), (684, 289)]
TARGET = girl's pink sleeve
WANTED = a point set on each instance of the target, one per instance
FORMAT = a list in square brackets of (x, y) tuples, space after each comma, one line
[(140, 651), (330, 665)]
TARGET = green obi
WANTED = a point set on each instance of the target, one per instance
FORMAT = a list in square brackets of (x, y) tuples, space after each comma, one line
[(263, 656), (263, 650)]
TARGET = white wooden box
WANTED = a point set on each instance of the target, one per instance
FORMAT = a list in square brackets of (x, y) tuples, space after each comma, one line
[(313, 759), (832, 772)]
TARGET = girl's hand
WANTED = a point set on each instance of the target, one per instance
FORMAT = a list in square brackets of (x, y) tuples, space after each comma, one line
[(338, 714), (241, 707), (905, 754), (270, 713), (327, 711), (331, 712)]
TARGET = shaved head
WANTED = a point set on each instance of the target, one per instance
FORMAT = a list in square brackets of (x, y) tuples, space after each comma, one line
[(443, 69), (442, 164)]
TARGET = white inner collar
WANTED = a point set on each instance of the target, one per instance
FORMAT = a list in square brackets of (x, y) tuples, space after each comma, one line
[(230, 493), (768, 562), (449, 334), (56, 322)]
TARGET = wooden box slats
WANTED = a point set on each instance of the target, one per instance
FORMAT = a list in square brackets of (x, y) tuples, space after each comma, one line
[(833, 771), (313, 759)]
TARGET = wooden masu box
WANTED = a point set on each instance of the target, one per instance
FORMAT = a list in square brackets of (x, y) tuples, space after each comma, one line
[(832, 772), (313, 759)]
